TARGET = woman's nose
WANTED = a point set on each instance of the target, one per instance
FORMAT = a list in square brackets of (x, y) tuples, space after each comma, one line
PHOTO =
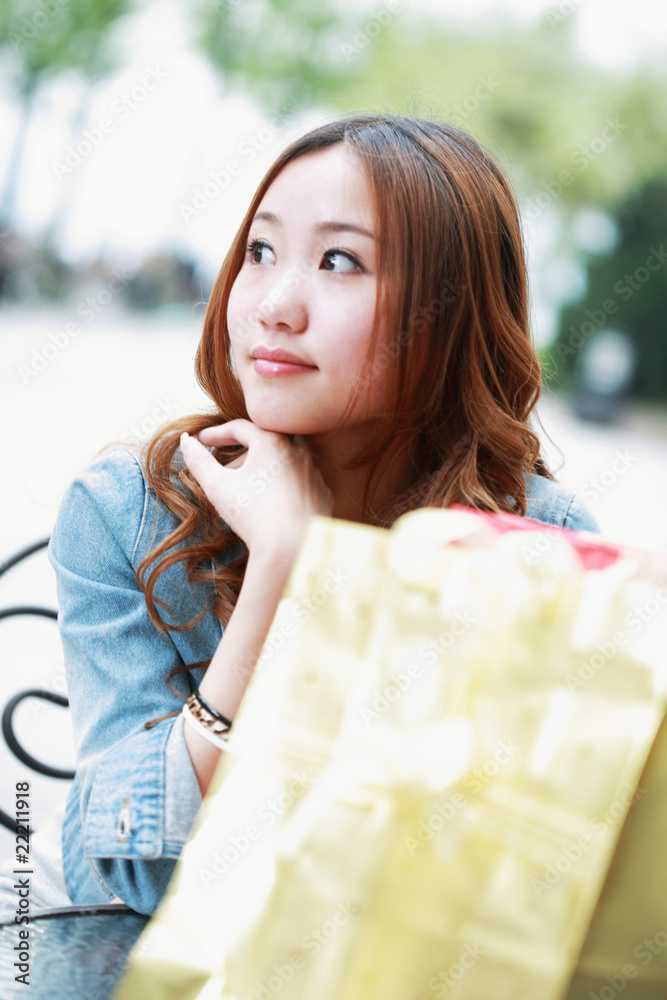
[(285, 303)]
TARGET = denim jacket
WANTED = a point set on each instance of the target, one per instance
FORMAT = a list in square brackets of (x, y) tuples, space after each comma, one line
[(135, 795)]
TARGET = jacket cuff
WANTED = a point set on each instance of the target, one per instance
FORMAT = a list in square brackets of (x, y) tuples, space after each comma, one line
[(125, 811)]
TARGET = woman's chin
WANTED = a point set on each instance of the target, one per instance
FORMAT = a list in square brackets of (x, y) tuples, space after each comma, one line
[(280, 423), (275, 424)]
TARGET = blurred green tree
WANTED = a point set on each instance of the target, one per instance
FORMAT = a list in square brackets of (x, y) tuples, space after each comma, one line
[(38, 41), (290, 54), (627, 290), (570, 133), (573, 136)]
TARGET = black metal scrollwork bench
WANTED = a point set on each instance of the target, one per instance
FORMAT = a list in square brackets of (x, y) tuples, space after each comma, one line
[(76, 953), (7, 716)]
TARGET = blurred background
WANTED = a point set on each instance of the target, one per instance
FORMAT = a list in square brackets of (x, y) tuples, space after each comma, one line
[(132, 136)]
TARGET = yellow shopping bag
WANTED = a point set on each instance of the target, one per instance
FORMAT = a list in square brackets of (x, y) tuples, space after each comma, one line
[(429, 776)]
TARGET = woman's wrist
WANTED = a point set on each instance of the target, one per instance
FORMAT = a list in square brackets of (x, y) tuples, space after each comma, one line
[(228, 674), (279, 547), (233, 663)]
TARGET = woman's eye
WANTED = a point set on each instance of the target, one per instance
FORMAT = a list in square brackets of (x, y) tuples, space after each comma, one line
[(340, 261), (260, 252)]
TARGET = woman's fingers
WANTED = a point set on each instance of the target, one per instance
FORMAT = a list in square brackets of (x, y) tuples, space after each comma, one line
[(265, 445), (274, 482), (206, 470), (220, 482), (200, 462), (242, 432)]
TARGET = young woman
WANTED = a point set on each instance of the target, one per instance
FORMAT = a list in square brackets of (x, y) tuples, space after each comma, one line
[(367, 351)]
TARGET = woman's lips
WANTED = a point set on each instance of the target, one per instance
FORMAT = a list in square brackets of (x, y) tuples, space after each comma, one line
[(272, 362), (272, 368)]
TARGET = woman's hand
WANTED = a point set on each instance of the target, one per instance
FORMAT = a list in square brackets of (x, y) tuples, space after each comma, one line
[(266, 495)]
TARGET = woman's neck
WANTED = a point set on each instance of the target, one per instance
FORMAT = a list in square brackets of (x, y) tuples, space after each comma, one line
[(349, 485)]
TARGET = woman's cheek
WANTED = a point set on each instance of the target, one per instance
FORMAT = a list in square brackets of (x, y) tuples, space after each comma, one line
[(238, 319)]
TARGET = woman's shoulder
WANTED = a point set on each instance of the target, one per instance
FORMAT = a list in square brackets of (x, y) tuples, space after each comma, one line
[(553, 503), (111, 496), (110, 488), (109, 522), (117, 466)]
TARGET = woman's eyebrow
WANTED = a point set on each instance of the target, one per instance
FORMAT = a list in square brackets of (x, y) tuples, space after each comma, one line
[(321, 227), (343, 227), (266, 217)]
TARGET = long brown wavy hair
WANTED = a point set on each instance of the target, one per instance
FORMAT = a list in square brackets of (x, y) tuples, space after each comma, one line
[(462, 372)]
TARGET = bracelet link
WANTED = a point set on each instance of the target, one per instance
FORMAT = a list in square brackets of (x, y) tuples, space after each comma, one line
[(211, 729)]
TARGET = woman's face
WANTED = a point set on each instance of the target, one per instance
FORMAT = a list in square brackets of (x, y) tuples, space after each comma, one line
[(301, 311)]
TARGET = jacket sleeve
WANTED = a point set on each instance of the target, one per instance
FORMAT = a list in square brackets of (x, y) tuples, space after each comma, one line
[(579, 518), (552, 503), (137, 790)]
